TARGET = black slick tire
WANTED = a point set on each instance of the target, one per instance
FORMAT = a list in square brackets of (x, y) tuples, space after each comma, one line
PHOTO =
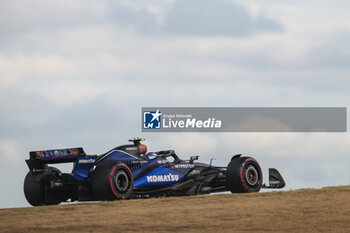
[(112, 182), (243, 175), (33, 191)]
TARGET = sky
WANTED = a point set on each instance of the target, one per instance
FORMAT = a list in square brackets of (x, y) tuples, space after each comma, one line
[(76, 73)]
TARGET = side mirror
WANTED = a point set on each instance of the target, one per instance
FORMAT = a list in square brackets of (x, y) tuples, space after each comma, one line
[(193, 158)]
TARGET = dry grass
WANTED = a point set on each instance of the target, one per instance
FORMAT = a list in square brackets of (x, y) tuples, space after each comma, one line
[(309, 210)]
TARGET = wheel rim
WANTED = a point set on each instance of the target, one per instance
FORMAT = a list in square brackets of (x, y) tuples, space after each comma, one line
[(251, 175), (121, 181)]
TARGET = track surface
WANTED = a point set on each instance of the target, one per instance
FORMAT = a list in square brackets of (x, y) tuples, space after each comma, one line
[(309, 210)]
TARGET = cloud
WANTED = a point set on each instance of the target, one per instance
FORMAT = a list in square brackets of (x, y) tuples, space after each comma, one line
[(14, 69), (332, 52), (10, 149), (71, 93), (24, 17), (215, 18), (194, 18), (20, 20)]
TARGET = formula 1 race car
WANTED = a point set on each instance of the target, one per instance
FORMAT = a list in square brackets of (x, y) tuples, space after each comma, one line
[(128, 171)]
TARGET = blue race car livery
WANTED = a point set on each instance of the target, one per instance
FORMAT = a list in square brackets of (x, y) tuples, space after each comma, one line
[(128, 171)]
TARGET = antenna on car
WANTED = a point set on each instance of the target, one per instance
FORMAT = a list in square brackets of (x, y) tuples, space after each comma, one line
[(211, 161)]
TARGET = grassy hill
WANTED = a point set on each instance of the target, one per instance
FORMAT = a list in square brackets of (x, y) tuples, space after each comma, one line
[(308, 210)]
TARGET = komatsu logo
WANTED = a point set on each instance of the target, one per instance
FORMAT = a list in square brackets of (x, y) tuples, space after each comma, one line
[(163, 178)]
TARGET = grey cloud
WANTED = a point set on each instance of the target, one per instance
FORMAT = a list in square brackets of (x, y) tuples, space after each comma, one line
[(21, 112), (20, 17), (24, 115), (186, 17), (197, 18), (215, 18), (333, 53), (12, 195), (141, 21), (23, 22)]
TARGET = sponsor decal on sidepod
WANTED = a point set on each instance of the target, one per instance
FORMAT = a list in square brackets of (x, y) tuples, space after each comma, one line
[(87, 160), (162, 178)]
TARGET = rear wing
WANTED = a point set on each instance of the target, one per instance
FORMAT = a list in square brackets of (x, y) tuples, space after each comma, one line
[(58, 155), (38, 160)]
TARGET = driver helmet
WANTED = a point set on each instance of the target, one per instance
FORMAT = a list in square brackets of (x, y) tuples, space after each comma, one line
[(151, 155)]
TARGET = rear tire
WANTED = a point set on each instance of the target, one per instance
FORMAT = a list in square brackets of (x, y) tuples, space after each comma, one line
[(33, 191), (243, 175), (37, 194), (111, 182)]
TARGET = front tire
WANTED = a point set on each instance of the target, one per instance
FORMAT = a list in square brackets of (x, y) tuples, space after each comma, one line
[(243, 175)]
